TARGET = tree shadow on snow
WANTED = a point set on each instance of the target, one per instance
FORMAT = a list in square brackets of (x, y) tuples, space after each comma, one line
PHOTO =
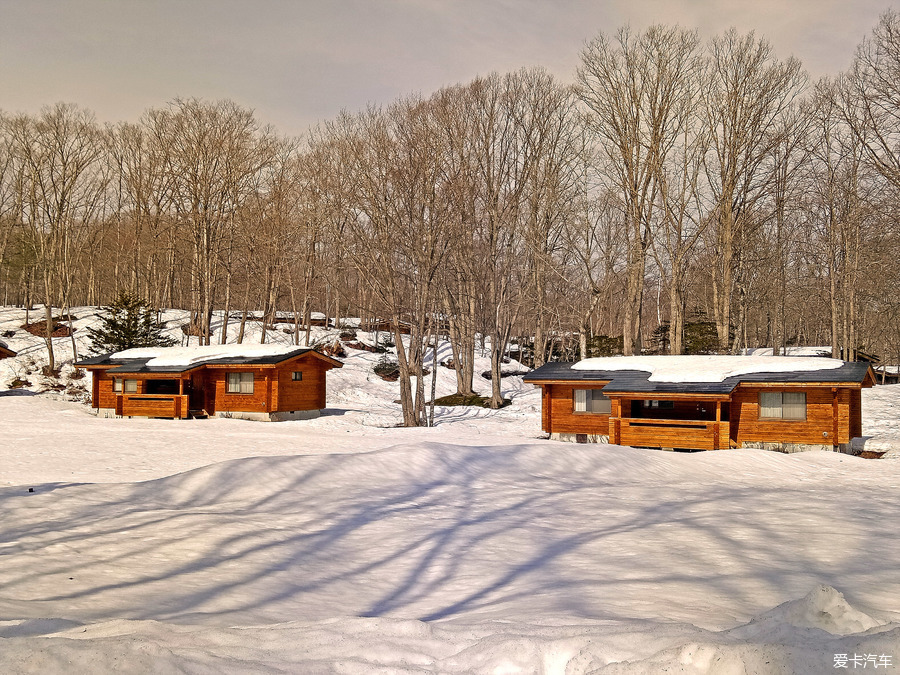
[(431, 532)]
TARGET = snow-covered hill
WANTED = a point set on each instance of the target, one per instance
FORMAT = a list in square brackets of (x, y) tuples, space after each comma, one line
[(346, 544)]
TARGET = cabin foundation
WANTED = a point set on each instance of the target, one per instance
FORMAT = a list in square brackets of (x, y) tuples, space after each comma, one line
[(579, 438)]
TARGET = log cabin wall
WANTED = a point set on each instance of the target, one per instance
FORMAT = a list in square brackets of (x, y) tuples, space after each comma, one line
[(306, 394), (855, 412), (562, 416), (216, 387), (103, 394), (821, 405)]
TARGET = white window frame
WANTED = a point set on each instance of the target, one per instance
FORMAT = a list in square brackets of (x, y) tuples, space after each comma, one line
[(239, 382), (778, 408), (591, 402)]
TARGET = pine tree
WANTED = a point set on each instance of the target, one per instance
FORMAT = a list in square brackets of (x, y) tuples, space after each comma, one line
[(129, 323)]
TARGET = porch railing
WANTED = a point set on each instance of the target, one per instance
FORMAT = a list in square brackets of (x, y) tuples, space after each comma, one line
[(152, 405), (691, 434)]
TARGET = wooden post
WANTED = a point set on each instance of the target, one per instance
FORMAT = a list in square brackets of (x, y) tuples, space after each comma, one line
[(835, 413), (546, 408), (718, 425), (615, 413)]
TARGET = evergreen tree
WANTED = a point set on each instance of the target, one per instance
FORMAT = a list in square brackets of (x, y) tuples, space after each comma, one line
[(129, 322)]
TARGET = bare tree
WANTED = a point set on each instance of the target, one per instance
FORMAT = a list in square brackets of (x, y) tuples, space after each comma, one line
[(750, 90), (214, 152), (637, 88), (63, 186)]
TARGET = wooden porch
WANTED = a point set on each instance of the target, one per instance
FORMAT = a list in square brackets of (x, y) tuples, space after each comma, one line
[(662, 433), (152, 405), (686, 427)]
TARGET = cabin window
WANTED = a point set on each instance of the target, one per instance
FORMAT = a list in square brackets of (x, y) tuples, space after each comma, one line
[(782, 405), (127, 386), (592, 401), (297, 375), (240, 383), (661, 405)]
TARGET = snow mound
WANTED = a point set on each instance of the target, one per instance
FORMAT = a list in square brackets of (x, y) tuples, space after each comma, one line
[(799, 637), (706, 368), (186, 356), (823, 608)]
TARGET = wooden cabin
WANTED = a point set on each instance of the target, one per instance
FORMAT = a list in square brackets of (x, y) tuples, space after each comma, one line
[(886, 374), (259, 382), (705, 402), (5, 351)]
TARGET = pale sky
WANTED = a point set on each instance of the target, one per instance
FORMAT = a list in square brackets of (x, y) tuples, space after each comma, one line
[(299, 61)]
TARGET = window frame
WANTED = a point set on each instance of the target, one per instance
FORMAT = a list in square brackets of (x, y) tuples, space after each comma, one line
[(237, 386), (781, 406), (297, 376), (589, 402), (118, 385)]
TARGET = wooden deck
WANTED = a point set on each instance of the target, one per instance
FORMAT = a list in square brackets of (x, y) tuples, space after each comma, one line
[(152, 405)]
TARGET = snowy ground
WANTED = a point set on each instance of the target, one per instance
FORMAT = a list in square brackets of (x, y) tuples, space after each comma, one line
[(347, 545)]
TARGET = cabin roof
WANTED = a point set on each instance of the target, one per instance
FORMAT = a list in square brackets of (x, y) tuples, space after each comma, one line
[(182, 359), (5, 350), (638, 381)]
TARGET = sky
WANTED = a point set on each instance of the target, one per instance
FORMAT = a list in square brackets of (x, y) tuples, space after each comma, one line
[(296, 62)]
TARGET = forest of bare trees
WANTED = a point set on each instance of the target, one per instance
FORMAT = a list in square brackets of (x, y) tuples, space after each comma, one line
[(681, 196)]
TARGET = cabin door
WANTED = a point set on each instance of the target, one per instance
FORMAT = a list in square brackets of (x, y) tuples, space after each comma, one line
[(196, 394)]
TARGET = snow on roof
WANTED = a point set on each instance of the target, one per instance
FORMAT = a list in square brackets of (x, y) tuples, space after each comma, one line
[(706, 368), (186, 356)]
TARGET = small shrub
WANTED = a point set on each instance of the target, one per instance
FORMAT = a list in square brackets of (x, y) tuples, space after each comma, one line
[(509, 373), (46, 371), (605, 345), (387, 369), (700, 337), (18, 383), (471, 400), (77, 374)]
